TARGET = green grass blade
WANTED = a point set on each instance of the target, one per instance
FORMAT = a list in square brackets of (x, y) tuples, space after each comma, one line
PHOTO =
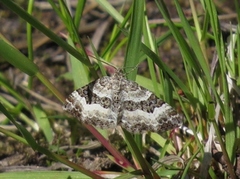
[(135, 36), (146, 168), (43, 122), (43, 174), (79, 13), (16, 58), (111, 10), (148, 41), (29, 39), (226, 110), (79, 72)]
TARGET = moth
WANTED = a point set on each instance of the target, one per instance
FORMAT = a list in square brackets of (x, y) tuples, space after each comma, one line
[(112, 101)]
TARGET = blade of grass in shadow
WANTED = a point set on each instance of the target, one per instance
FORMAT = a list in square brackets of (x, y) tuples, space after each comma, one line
[(35, 146), (35, 23), (186, 168), (148, 171)]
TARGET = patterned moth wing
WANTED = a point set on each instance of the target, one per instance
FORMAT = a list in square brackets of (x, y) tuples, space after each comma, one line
[(111, 101), (143, 111), (92, 103)]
